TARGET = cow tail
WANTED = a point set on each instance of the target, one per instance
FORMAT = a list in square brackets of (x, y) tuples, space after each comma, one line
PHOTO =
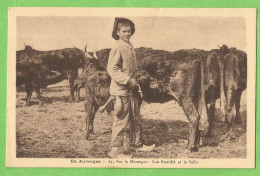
[(82, 60), (222, 90), (244, 71), (203, 122)]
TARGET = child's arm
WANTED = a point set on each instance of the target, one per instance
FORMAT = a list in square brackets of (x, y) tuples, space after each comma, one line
[(114, 67)]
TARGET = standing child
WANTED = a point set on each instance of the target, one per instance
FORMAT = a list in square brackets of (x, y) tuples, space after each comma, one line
[(121, 67)]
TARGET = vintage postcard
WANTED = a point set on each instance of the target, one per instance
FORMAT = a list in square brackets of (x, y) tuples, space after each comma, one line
[(160, 88)]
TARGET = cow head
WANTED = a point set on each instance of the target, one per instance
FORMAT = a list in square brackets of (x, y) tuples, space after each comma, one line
[(223, 51), (143, 78), (27, 47), (88, 56), (147, 83), (92, 62)]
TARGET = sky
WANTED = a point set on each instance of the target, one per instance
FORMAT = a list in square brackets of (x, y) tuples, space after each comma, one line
[(167, 33)]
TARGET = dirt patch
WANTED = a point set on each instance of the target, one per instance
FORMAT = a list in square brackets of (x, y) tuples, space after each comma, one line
[(57, 130)]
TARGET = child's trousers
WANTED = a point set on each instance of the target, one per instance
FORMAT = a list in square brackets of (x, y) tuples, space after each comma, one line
[(126, 120)]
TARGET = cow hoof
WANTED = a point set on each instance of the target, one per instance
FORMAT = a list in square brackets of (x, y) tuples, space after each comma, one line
[(209, 135), (27, 103), (71, 100), (192, 149), (233, 137), (91, 131), (228, 135), (238, 120), (224, 137)]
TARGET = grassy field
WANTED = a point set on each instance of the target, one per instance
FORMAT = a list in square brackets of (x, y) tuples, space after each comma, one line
[(57, 130)]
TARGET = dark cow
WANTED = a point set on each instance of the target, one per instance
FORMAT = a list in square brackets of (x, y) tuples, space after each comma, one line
[(141, 53), (180, 74), (81, 80), (102, 57), (233, 82), (182, 77), (212, 84), (35, 77), (66, 61), (97, 92), (192, 77)]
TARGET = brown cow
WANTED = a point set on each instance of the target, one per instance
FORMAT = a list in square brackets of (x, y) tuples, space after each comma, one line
[(35, 77), (182, 76), (81, 80), (233, 82), (66, 61), (97, 92), (179, 74)]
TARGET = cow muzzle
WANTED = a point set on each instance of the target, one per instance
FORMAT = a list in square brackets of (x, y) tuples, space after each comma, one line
[(154, 85)]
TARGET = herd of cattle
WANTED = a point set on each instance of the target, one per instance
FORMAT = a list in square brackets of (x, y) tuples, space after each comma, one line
[(195, 78)]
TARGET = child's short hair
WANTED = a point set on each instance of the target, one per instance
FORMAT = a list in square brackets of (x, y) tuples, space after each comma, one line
[(119, 22), (123, 23)]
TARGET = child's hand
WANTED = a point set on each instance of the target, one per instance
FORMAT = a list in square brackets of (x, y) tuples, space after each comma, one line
[(131, 83)]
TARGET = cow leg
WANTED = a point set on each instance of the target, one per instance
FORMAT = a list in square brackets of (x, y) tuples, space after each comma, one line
[(71, 77), (238, 97), (222, 93), (38, 95), (193, 116), (230, 108), (29, 91), (91, 121), (77, 95), (197, 139), (71, 90), (89, 111), (211, 115)]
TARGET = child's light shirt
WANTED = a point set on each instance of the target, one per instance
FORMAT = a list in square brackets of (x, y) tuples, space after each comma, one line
[(121, 66)]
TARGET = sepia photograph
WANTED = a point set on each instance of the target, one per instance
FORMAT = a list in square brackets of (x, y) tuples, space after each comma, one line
[(131, 88)]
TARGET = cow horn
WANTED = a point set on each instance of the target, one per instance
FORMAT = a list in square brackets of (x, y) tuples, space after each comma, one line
[(95, 54), (218, 46), (86, 53), (24, 44), (85, 48)]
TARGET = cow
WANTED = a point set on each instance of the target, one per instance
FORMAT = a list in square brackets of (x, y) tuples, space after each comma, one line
[(141, 53), (192, 77), (181, 75), (35, 77), (102, 56), (233, 82), (66, 61), (97, 92), (81, 80)]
